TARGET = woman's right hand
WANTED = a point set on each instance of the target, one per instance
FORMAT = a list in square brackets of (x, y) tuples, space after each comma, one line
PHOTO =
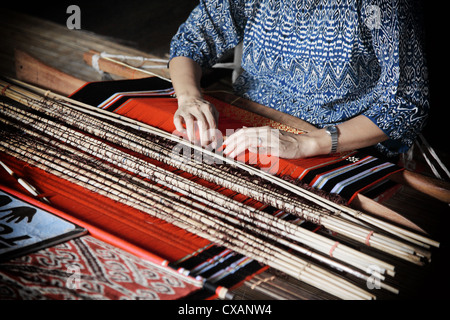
[(195, 114)]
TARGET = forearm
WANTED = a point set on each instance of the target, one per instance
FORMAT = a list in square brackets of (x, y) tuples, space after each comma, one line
[(356, 133), (185, 74)]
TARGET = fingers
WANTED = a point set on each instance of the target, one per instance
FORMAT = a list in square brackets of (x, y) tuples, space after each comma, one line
[(257, 140), (200, 120), (178, 122)]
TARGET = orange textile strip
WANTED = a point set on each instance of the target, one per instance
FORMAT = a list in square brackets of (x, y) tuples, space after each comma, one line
[(246, 117)]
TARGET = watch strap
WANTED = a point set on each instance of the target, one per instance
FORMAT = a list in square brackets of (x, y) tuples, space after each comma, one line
[(333, 132)]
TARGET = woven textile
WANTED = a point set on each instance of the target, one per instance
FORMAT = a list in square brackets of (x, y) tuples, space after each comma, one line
[(322, 61), (345, 174), (87, 268), (131, 225)]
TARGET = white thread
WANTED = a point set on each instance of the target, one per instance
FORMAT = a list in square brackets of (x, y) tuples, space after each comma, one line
[(95, 64), (140, 59)]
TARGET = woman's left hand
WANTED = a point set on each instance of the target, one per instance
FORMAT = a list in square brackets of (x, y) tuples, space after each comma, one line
[(265, 140)]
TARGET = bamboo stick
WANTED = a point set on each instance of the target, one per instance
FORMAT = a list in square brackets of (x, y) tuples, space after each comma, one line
[(77, 122), (321, 218), (323, 215), (275, 258), (329, 205), (77, 137), (257, 229)]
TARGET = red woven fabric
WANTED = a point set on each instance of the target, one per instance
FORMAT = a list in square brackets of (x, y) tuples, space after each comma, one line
[(159, 112), (87, 268), (124, 222)]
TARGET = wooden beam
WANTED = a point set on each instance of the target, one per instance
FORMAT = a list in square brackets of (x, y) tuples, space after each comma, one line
[(33, 71), (432, 187), (116, 67), (362, 203)]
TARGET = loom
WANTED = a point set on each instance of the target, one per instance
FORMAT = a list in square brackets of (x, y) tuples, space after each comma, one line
[(106, 157)]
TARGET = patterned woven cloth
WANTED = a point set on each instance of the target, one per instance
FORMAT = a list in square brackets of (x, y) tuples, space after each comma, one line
[(322, 61), (87, 268)]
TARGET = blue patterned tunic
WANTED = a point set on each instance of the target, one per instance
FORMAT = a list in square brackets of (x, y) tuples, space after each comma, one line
[(324, 61)]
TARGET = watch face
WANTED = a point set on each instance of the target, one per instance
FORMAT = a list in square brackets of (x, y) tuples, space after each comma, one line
[(331, 129)]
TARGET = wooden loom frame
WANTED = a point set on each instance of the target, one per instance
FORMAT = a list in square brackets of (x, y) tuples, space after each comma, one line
[(230, 97), (31, 70)]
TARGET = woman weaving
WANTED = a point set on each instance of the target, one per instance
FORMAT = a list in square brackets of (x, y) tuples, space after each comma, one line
[(354, 69)]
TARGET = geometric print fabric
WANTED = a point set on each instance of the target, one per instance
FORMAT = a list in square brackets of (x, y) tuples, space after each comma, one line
[(87, 268)]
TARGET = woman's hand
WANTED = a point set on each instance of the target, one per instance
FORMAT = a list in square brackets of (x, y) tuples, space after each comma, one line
[(353, 134), (266, 140), (198, 115)]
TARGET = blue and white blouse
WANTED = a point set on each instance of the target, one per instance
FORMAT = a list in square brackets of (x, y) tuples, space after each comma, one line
[(324, 61)]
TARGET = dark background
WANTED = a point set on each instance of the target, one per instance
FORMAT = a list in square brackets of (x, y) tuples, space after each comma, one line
[(149, 25), (143, 24)]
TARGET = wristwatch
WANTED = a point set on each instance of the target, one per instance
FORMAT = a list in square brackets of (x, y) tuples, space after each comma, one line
[(333, 132)]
